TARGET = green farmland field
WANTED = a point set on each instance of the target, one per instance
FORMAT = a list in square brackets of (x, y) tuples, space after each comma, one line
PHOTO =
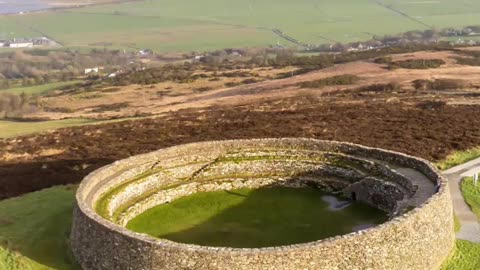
[(10, 129), (13, 128), (188, 25), (38, 89)]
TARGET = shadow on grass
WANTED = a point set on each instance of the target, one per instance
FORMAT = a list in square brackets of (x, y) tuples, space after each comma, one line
[(248, 218), (35, 228), (24, 177)]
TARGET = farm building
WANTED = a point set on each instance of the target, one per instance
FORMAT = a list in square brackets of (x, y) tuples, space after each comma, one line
[(145, 52), (21, 43), (27, 42), (91, 70)]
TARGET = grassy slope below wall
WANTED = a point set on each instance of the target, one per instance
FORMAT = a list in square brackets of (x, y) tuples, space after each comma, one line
[(34, 230), (466, 257)]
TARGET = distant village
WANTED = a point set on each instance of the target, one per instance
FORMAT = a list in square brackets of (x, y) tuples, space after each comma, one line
[(28, 42), (468, 36)]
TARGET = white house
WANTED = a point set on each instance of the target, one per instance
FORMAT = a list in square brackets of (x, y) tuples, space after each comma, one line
[(91, 70), (145, 52), (113, 74), (21, 44)]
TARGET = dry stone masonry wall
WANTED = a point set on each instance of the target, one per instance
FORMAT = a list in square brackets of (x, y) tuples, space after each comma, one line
[(419, 234)]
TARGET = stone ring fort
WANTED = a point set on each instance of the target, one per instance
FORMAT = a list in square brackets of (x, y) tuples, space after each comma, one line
[(418, 235)]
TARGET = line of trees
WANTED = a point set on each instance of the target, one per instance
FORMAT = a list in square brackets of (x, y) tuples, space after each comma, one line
[(32, 67), (15, 106)]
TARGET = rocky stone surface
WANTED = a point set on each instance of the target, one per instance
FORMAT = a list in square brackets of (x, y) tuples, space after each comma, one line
[(412, 239)]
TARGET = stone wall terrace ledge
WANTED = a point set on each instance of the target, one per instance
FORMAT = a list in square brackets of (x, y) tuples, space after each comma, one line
[(419, 234)]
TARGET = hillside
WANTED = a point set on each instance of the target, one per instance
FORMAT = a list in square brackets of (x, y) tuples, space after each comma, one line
[(371, 102), (203, 88)]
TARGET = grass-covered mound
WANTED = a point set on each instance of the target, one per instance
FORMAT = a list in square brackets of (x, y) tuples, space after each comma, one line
[(250, 218), (34, 230)]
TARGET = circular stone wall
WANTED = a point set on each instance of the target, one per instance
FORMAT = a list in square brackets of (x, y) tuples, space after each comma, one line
[(419, 234)]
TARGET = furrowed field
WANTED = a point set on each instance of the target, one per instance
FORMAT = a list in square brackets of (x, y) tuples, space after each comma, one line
[(187, 25)]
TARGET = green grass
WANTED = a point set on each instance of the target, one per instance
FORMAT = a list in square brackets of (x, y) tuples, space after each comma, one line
[(9, 29), (166, 25), (34, 230), (12, 128), (471, 193), (458, 158), (466, 256), (252, 218), (38, 89), (457, 224)]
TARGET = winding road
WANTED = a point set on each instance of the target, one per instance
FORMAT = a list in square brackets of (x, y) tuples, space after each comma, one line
[(470, 229)]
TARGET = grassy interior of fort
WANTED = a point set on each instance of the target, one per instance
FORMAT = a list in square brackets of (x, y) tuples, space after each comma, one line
[(252, 218)]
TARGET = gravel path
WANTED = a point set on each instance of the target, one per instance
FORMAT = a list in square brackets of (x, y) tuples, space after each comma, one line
[(470, 229)]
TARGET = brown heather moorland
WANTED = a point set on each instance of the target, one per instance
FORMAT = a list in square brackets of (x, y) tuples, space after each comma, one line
[(65, 156)]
